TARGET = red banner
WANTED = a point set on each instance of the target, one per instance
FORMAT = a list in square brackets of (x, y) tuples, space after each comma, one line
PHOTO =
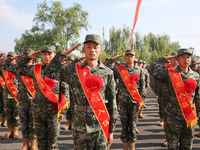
[(95, 100), (10, 83), (135, 20), (47, 91), (129, 85), (183, 99), (2, 82), (29, 85)]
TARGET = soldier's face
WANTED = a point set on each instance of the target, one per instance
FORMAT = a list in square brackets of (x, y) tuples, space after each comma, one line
[(47, 57), (92, 50), (69, 61), (173, 61), (129, 58), (184, 60)]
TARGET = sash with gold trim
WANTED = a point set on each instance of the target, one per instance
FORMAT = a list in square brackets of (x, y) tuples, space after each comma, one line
[(2, 82), (95, 100), (130, 86), (183, 98), (47, 91), (10, 84), (29, 85)]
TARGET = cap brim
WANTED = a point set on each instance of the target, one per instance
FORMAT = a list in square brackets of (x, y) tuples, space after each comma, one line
[(130, 53), (185, 53), (47, 51), (90, 41)]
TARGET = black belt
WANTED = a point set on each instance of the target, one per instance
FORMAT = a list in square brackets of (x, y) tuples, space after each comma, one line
[(86, 109)]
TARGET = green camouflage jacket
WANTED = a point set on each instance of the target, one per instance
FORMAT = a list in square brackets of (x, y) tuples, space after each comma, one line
[(162, 74), (87, 122), (122, 88)]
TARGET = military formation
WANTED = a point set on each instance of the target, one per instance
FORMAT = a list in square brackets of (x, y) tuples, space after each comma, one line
[(35, 94)]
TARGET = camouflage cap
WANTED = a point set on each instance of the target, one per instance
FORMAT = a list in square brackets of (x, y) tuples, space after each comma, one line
[(70, 57), (12, 54), (140, 61), (129, 52), (173, 54), (135, 60), (93, 37), (3, 55), (28, 51), (117, 62), (183, 51), (49, 48)]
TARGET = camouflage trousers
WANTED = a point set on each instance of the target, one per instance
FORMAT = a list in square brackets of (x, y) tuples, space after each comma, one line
[(26, 120), (68, 114), (89, 141), (129, 119), (2, 112), (161, 106), (176, 131), (12, 113), (46, 127)]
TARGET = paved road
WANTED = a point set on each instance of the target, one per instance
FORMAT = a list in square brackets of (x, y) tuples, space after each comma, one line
[(151, 135)]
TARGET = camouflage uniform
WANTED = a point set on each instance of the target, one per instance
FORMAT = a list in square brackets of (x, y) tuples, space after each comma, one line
[(128, 106), (147, 80), (175, 125), (87, 131), (25, 104), (2, 112), (10, 104), (45, 112)]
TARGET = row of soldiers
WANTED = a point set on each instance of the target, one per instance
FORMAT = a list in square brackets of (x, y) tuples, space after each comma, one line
[(93, 105)]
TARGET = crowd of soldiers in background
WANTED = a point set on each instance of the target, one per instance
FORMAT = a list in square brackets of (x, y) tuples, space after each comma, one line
[(13, 113)]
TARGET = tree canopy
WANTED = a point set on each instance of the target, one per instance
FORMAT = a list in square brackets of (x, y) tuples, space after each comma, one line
[(55, 25)]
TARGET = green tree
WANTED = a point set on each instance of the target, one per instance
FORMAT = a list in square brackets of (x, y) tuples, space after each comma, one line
[(54, 25)]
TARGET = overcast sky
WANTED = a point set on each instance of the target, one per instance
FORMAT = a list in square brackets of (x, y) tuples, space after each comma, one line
[(180, 19)]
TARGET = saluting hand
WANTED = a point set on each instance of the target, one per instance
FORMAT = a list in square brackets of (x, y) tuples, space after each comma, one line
[(34, 54), (16, 57), (169, 57), (117, 56), (69, 50), (81, 58), (198, 62)]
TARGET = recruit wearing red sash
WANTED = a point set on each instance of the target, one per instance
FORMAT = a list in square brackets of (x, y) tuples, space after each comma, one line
[(94, 98), (10, 83), (2, 82), (130, 85), (47, 89), (183, 97), (29, 85)]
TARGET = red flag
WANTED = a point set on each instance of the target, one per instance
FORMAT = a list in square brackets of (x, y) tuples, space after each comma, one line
[(135, 19)]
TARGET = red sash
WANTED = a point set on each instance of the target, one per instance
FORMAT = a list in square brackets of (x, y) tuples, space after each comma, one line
[(169, 66), (2, 82), (130, 87), (95, 100), (47, 91), (183, 99), (10, 84), (29, 85)]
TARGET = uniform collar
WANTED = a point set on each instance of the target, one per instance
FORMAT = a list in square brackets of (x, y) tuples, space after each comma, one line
[(100, 64)]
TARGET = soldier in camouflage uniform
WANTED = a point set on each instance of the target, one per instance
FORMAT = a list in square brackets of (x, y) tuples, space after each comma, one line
[(45, 111), (87, 132), (175, 125), (11, 106), (147, 80), (194, 66), (25, 105), (128, 106), (3, 121), (140, 115)]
